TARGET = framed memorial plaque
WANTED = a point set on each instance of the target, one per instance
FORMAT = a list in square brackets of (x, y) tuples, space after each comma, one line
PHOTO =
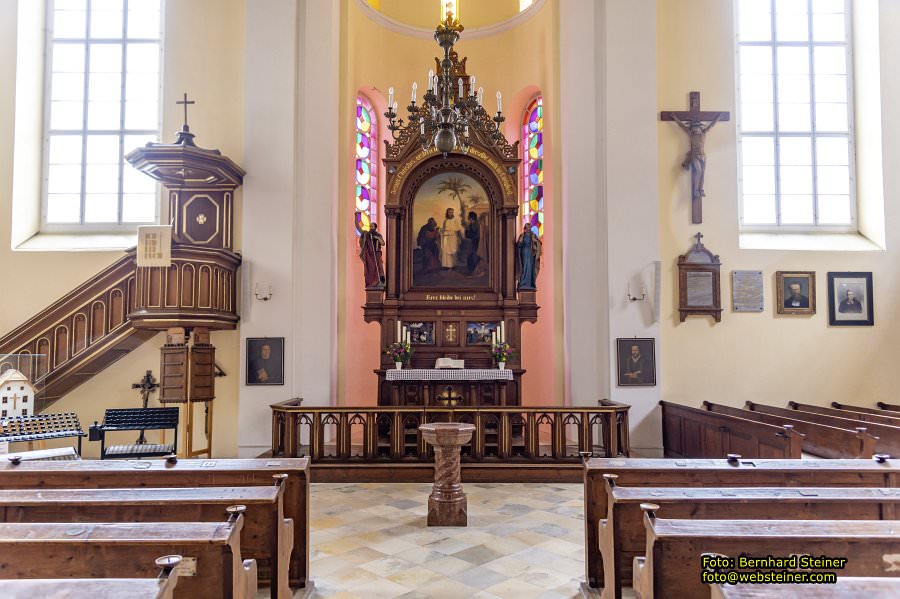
[(699, 287), (850, 299), (795, 292), (747, 291)]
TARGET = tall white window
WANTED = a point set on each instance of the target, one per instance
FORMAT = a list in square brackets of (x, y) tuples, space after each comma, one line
[(796, 115), (103, 87)]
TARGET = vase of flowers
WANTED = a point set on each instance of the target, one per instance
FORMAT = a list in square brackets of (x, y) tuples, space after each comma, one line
[(501, 352), (400, 352)]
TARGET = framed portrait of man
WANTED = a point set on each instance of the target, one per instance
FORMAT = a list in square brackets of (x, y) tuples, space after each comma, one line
[(850, 299), (636, 359), (795, 291), (265, 361)]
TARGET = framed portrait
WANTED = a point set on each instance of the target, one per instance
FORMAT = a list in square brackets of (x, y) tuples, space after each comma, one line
[(479, 333), (850, 299), (265, 361), (420, 333), (451, 224), (636, 359), (795, 291)]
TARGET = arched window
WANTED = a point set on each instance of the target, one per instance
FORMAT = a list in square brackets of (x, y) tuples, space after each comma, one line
[(365, 177), (533, 169)]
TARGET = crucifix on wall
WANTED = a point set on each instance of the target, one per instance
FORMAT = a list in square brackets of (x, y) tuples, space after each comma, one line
[(695, 123)]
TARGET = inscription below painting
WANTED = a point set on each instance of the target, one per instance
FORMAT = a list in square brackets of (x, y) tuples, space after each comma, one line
[(747, 290), (699, 289), (451, 223)]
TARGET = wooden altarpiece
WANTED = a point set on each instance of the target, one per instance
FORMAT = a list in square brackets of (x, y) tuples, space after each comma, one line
[(455, 309)]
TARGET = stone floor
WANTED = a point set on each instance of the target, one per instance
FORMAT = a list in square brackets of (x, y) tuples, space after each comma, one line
[(523, 541)]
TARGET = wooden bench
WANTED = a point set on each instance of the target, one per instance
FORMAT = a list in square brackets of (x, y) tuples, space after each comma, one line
[(847, 413), (100, 474), (846, 587), (867, 410), (161, 587), (692, 433), (819, 439), (136, 419), (211, 565), (888, 436), (38, 428), (671, 566), (622, 533), (267, 536), (889, 407), (61, 453), (738, 472)]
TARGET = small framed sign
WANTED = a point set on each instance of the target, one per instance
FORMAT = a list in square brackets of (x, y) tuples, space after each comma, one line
[(747, 291)]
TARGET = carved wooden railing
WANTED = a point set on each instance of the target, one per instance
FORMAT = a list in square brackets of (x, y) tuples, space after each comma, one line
[(377, 434), (77, 336)]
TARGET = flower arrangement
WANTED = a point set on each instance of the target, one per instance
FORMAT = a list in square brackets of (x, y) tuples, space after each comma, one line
[(399, 351), (501, 351)]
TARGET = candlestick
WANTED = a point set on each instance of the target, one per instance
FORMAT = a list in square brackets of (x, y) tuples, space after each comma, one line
[(430, 79), (415, 87), (390, 97), (472, 84), (422, 127), (493, 338), (499, 102), (481, 95), (460, 88), (398, 330)]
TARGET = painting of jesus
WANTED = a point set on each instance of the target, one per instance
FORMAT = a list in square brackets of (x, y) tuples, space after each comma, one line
[(451, 226)]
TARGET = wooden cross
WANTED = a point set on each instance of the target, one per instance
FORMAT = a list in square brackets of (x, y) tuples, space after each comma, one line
[(185, 102), (699, 237), (695, 123), (147, 385)]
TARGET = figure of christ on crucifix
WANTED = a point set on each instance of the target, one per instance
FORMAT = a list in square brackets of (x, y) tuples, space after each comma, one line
[(695, 123)]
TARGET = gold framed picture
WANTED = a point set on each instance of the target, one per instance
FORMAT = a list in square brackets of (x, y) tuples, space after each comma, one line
[(796, 292)]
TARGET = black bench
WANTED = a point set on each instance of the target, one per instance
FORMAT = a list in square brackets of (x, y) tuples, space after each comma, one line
[(136, 419), (41, 427)]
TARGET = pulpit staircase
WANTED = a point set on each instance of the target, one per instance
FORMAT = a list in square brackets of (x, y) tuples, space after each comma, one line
[(77, 336)]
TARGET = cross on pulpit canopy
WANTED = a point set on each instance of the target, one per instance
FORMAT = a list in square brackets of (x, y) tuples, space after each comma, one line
[(695, 123), (699, 237), (185, 102)]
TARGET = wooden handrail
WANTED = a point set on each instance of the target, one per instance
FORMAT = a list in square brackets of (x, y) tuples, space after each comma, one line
[(388, 433)]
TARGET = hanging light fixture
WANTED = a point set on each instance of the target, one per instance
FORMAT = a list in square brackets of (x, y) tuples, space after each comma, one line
[(450, 110)]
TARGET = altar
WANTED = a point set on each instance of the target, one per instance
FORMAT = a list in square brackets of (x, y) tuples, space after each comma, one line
[(464, 387)]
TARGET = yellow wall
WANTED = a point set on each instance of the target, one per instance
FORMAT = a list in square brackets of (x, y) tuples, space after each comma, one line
[(763, 357), (425, 13), (518, 62), (211, 34)]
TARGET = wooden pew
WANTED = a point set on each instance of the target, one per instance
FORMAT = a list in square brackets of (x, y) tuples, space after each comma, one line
[(846, 587), (622, 533), (100, 474), (692, 433), (820, 439), (867, 410), (267, 536), (671, 566), (738, 472), (889, 407), (161, 587), (888, 436), (43, 549), (846, 413)]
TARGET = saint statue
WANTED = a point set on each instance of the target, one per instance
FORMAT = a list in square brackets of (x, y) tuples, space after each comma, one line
[(371, 244), (451, 234), (696, 157), (528, 257)]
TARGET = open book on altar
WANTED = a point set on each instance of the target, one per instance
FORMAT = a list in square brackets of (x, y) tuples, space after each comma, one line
[(449, 363)]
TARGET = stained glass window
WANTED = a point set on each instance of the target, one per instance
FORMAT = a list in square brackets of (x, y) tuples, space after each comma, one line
[(533, 169), (366, 172)]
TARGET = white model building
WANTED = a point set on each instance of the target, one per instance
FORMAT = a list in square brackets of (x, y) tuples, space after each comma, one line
[(16, 394)]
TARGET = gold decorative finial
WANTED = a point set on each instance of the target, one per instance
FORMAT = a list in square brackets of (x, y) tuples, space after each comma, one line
[(450, 15)]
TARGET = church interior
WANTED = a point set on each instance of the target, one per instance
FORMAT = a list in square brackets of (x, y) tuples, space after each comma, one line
[(449, 298)]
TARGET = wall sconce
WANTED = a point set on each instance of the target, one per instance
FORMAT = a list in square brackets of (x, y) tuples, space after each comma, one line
[(262, 292), (636, 298)]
